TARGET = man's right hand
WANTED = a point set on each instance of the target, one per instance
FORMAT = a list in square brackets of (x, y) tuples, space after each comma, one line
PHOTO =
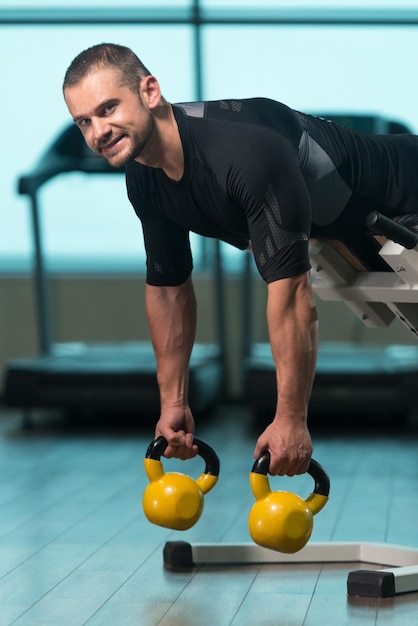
[(177, 426)]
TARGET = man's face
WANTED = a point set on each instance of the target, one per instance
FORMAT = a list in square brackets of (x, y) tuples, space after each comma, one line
[(113, 119)]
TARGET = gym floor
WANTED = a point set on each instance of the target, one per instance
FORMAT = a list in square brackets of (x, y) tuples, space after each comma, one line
[(75, 547)]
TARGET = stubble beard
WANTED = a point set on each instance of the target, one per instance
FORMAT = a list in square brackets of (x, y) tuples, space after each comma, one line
[(138, 142)]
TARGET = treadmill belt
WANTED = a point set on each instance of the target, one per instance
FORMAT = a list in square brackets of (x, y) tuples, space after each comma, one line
[(119, 376), (379, 382)]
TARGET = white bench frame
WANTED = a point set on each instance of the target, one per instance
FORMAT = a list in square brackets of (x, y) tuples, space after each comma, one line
[(400, 577)]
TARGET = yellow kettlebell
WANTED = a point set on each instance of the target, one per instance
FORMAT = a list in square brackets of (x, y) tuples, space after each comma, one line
[(174, 500), (281, 520)]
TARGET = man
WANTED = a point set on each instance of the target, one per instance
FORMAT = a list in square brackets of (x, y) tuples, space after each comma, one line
[(252, 173)]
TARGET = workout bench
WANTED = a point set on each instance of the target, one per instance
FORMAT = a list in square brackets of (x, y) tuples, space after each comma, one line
[(401, 577), (377, 277)]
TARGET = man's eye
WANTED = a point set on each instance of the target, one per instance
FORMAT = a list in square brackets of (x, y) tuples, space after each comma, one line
[(109, 108), (83, 123)]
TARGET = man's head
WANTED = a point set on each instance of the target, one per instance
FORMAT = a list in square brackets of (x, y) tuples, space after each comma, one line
[(112, 97), (111, 56)]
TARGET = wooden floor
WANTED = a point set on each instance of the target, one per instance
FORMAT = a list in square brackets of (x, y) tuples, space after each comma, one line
[(76, 549)]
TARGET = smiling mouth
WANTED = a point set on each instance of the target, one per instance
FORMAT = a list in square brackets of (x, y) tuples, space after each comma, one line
[(108, 147)]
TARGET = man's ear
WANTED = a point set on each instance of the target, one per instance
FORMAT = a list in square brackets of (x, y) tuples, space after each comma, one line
[(150, 92)]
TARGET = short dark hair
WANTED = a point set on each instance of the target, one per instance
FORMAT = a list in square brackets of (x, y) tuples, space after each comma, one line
[(131, 69)]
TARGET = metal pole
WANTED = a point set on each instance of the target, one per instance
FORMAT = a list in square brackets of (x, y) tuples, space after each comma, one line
[(41, 287)]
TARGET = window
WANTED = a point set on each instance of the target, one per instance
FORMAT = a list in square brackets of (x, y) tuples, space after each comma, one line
[(87, 220)]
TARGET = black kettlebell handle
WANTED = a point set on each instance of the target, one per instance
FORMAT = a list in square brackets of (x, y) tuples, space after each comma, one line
[(318, 473), (208, 454)]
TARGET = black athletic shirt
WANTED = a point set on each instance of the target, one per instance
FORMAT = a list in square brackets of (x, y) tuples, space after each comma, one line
[(258, 170)]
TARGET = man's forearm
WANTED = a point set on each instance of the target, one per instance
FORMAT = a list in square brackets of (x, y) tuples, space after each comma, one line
[(293, 329), (171, 313)]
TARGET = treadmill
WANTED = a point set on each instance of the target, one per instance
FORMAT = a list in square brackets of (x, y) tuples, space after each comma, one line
[(116, 378)]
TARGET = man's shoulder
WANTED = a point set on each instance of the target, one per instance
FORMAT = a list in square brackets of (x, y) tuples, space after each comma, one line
[(230, 109), (260, 113)]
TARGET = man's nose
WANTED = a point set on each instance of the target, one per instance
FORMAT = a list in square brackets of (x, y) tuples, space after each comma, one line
[(100, 129)]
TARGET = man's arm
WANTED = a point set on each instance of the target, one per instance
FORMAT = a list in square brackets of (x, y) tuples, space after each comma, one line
[(293, 330), (171, 313)]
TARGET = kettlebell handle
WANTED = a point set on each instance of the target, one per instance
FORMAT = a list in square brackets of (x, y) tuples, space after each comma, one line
[(320, 476), (208, 454)]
